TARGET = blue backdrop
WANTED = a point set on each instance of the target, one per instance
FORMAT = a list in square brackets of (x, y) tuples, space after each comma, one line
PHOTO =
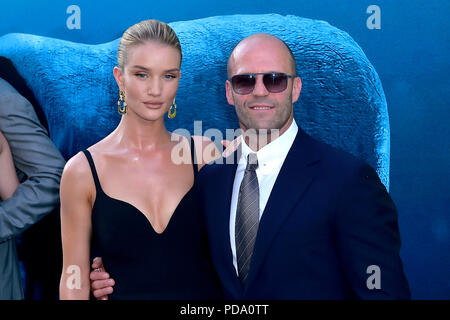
[(410, 52)]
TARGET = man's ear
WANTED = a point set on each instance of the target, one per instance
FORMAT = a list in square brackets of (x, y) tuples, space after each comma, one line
[(229, 92), (296, 89), (119, 77)]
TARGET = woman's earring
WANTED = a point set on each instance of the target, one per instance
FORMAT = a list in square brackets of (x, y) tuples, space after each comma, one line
[(171, 114), (121, 103)]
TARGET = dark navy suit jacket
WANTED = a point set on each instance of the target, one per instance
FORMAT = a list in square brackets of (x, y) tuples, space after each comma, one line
[(327, 220)]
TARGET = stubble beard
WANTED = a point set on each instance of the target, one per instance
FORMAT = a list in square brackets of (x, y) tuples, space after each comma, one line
[(282, 116), (257, 135)]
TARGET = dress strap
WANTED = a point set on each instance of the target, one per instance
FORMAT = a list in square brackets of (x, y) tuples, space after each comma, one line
[(94, 171), (194, 158)]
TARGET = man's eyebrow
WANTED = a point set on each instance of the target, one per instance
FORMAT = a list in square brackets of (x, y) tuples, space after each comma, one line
[(146, 69)]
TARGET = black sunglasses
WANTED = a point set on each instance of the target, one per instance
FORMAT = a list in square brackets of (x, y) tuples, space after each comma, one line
[(274, 82)]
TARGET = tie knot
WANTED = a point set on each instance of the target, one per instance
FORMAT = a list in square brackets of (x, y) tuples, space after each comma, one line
[(252, 162)]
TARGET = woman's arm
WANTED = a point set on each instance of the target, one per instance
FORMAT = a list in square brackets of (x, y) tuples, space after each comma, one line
[(8, 181), (77, 192)]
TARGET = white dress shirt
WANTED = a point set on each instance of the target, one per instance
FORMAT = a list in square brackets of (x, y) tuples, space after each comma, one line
[(270, 160)]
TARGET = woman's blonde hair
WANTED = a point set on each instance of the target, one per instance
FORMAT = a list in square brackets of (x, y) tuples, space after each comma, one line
[(143, 31)]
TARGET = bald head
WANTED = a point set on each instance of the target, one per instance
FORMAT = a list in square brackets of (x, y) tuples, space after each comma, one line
[(260, 41)]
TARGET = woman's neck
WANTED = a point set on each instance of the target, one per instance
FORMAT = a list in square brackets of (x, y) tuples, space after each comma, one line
[(140, 134)]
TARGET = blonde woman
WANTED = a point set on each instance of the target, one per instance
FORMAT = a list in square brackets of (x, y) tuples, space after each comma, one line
[(126, 199)]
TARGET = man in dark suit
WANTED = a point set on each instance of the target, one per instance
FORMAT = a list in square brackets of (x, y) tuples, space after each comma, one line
[(305, 221), (291, 217)]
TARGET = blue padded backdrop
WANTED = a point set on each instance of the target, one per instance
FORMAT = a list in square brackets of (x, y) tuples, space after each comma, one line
[(342, 101)]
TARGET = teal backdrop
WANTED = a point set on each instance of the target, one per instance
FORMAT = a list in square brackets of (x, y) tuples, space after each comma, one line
[(410, 53)]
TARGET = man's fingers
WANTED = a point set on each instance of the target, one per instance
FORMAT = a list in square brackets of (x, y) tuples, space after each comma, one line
[(102, 284), (101, 294), (230, 146), (225, 143), (97, 263), (96, 275)]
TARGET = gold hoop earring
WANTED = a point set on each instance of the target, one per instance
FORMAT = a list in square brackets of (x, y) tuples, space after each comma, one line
[(171, 114), (121, 103)]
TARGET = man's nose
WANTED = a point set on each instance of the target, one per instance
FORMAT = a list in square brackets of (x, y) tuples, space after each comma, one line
[(260, 89)]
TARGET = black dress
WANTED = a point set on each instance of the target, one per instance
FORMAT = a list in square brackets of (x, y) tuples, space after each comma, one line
[(175, 264)]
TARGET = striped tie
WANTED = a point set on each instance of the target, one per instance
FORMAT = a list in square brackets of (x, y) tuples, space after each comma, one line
[(247, 217)]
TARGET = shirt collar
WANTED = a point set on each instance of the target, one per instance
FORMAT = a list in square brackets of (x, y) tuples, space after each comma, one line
[(274, 152)]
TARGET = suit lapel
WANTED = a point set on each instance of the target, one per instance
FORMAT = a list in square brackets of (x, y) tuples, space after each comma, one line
[(222, 201), (296, 174)]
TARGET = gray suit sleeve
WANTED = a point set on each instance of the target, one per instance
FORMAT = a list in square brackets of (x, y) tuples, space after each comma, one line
[(36, 159)]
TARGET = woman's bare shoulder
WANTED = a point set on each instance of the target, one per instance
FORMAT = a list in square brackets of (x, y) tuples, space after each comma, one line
[(77, 169)]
